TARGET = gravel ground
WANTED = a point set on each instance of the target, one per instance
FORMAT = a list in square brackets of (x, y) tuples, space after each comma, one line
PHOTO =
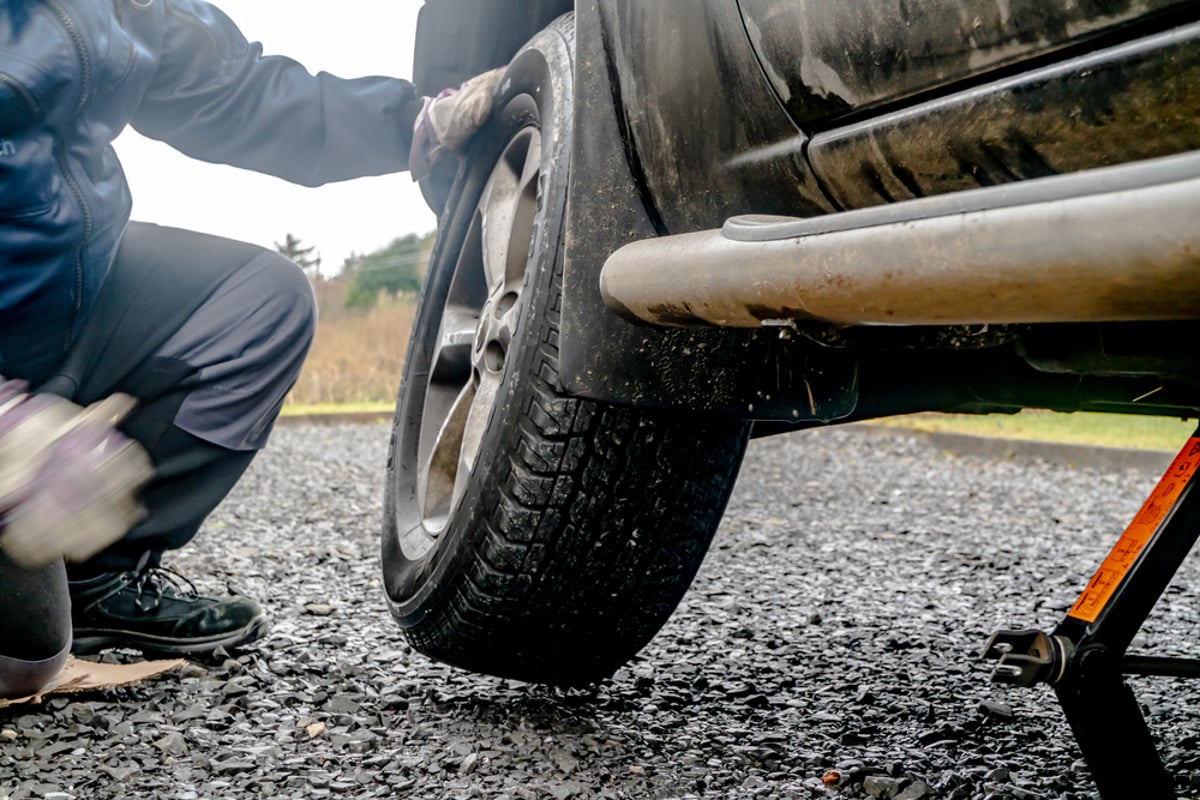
[(834, 626)]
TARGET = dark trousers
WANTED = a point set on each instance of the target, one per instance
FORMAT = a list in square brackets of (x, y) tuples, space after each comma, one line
[(185, 315), (209, 335)]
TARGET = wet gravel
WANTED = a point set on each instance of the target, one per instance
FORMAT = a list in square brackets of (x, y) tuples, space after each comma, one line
[(831, 636)]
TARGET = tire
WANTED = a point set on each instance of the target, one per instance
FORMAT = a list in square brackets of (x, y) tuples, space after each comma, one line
[(528, 534)]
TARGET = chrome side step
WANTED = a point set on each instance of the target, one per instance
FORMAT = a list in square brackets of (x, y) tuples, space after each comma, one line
[(1114, 244)]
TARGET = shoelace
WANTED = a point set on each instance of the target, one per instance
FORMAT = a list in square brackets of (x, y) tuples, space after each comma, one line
[(156, 581)]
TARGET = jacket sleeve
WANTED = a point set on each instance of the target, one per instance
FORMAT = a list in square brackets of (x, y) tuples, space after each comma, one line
[(216, 97)]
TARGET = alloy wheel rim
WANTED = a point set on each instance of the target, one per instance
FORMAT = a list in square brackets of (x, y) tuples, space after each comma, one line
[(478, 325)]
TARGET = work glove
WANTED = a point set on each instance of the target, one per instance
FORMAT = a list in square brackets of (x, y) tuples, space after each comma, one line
[(447, 122), (69, 481)]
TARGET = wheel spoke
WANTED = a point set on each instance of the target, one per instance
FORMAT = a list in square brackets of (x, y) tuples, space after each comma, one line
[(506, 326), (476, 422), (452, 357), (524, 212), (508, 206), (449, 372), (497, 207), (441, 470)]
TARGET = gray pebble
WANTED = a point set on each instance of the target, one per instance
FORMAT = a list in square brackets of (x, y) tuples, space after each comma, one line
[(835, 623)]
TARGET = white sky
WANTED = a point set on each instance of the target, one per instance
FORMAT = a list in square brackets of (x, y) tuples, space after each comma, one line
[(348, 38)]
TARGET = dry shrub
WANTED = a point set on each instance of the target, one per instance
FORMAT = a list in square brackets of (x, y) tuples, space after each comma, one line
[(357, 357)]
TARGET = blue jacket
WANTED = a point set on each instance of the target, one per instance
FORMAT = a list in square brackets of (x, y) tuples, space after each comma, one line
[(74, 73)]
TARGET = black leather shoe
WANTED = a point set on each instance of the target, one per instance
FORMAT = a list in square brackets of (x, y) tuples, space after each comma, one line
[(158, 612)]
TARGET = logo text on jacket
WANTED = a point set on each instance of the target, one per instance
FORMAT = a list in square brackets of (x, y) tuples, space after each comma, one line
[(7, 148)]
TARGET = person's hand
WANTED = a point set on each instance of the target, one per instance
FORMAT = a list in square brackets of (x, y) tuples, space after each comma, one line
[(447, 122), (69, 481)]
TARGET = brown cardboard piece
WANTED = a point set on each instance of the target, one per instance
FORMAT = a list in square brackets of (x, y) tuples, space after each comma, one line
[(89, 676)]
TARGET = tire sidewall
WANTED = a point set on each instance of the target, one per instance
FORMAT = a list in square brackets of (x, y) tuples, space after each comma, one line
[(536, 90)]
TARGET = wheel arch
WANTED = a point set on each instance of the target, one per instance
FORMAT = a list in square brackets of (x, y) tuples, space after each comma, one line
[(457, 39)]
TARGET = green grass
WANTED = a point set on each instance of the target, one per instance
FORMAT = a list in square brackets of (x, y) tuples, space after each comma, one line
[(1103, 430)]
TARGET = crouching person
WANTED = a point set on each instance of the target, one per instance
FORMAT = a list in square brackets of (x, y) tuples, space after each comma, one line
[(204, 335)]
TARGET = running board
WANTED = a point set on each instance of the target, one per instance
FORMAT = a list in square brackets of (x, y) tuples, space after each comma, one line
[(1113, 244)]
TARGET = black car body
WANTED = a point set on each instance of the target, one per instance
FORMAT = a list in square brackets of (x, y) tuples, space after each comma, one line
[(692, 223), (804, 109)]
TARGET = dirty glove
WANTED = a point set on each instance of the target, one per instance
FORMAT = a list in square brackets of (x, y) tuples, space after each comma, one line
[(68, 479), (448, 121)]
